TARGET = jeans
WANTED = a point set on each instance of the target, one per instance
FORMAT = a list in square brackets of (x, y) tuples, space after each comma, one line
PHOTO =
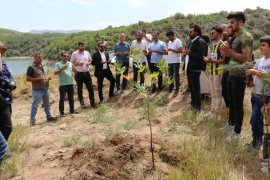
[(3, 147), (154, 68), (174, 73), (118, 76), (224, 82), (236, 93), (84, 78), (108, 75), (136, 72), (256, 119), (69, 89), (194, 83), (37, 96), (5, 120), (216, 97)]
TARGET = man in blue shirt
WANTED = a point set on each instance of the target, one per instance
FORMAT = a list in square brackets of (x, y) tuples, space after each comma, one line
[(157, 49), (6, 88), (122, 52)]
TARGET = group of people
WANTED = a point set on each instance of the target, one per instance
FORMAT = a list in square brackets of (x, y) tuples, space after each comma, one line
[(230, 43)]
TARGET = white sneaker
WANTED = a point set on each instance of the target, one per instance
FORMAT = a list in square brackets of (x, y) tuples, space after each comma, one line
[(265, 169), (118, 92), (233, 136), (227, 127), (124, 91)]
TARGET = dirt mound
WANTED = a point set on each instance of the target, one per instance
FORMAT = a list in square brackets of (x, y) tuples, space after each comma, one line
[(114, 159)]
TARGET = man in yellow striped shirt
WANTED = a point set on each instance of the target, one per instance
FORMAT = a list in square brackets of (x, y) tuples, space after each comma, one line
[(215, 60)]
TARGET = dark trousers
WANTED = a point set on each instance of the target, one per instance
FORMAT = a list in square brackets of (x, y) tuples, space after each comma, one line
[(84, 78), (154, 68), (236, 93), (108, 75), (174, 73), (148, 58), (256, 119), (118, 76), (224, 82), (194, 83), (69, 90), (136, 72), (5, 120)]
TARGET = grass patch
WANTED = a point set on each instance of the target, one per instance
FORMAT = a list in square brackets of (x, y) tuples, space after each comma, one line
[(76, 140), (187, 117), (16, 146), (111, 133), (101, 116), (129, 124), (210, 157)]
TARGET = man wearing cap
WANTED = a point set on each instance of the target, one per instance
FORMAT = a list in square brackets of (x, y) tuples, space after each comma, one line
[(101, 62), (6, 88), (81, 60), (37, 74)]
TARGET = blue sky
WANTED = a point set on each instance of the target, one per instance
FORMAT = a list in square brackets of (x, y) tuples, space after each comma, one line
[(26, 15)]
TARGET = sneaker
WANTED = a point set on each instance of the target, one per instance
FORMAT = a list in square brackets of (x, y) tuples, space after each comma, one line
[(265, 169), (102, 102), (32, 123), (227, 127), (51, 119), (124, 91), (118, 92), (233, 136), (264, 163)]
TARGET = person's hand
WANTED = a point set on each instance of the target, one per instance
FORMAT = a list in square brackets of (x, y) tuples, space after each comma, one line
[(126, 53), (170, 49), (250, 72), (49, 78), (12, 83), (206, 59), (150, 51), (64, 67), (225, 49), (109, 61), (144, 51), (40, 79), (186, 51), (117, 53)]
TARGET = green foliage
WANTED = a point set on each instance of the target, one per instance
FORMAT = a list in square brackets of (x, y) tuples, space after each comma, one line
[(101, 116), (26, 44), (162, 65), (119, 68)]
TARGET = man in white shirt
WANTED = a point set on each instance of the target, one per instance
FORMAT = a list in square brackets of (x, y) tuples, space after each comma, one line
[(173, 60), (81, 60), (142, 46), (101, 61), (148, 39)]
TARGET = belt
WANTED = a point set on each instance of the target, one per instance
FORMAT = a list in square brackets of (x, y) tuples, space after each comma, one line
[(83, 72)]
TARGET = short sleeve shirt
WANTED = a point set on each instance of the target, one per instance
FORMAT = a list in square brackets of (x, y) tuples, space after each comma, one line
[(172, 56), (157, 45), (122, 48), (142, 46), (65, 76), (81, 57), (261, 87)]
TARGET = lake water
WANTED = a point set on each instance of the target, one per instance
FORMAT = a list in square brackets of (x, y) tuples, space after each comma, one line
[(18, 66)]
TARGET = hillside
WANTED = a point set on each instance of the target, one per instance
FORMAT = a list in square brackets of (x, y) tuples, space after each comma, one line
[(26, 44)]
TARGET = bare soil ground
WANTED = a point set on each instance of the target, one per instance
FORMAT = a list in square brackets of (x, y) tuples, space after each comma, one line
[(114, 145)]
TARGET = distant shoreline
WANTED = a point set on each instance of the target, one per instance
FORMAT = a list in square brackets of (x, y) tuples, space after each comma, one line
[(17, 57)]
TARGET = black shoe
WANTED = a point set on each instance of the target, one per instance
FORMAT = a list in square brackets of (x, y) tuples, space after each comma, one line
[(94, 106), (51, 119), (62, 115), (170, 91), (74, 112), (112, 95), (82, 105)]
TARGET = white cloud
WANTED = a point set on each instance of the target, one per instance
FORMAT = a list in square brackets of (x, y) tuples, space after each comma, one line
[(84, 2)]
